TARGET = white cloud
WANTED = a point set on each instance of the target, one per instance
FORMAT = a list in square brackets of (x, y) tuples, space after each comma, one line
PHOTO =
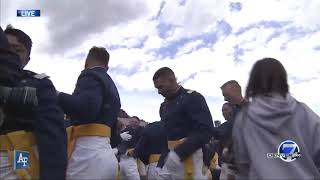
[(211, 65)]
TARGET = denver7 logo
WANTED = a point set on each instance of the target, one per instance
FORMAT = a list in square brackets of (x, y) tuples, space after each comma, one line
[(289, 151)]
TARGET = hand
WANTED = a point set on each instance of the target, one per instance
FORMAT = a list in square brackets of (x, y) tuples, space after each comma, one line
[(115, 151), (125, 136)]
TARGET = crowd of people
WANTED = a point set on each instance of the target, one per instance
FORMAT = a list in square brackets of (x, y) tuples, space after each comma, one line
[(48, 134)]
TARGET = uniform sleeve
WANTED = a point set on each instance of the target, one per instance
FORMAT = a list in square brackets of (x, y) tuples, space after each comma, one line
[(86, 102), (198, 111), (140, 150), (50, 133)]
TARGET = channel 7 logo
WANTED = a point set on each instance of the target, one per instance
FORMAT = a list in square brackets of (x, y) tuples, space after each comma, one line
[(21, 159), (288, 151)]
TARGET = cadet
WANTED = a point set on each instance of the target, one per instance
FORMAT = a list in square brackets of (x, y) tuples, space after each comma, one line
[(93, 108), (32, 127), (149, 147), (188, 124), (128, 164)]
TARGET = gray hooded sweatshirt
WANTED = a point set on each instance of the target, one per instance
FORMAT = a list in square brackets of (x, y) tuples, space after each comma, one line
[(262, 125)]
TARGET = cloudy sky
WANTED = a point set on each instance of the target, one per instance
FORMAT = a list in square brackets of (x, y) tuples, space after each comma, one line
[(206, 42)]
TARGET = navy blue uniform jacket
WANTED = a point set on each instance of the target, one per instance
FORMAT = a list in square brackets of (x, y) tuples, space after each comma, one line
[(152, 140), (48, 126), (186, 115), (93, 100)]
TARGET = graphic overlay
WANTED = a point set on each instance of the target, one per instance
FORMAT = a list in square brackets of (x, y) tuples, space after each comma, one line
[(28, 13), (288, 151), (21, 159)]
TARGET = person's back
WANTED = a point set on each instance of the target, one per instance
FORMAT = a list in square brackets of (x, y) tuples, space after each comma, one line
[(271, 121), (274, 123), (93, 108)]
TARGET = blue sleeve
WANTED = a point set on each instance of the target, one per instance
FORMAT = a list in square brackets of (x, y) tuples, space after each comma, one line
[(140, 150), (200, 116), (50, 133), (87, 100)]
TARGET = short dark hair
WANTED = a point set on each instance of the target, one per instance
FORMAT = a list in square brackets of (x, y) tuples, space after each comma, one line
[(99, 54), (233, 82), (21, 36), (163, 72), (136, 117), (267, 76)]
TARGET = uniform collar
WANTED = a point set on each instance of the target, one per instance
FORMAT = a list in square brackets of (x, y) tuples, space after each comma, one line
[(180, 90), (97, 67)]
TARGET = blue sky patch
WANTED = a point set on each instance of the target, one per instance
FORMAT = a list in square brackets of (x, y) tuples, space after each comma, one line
[(235, 6)]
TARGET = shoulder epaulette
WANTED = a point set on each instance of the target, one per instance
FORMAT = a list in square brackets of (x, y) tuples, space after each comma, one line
[(41, 76), (190, 91)]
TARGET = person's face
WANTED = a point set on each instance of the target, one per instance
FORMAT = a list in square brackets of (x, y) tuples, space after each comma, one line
[(165, 87), (227, 111), (19, 48), (133, 123), (230, 93)]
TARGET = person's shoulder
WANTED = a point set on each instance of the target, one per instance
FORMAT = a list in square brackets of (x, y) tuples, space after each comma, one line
[(193, 95)]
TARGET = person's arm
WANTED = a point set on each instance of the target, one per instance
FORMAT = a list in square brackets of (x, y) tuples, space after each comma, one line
[(140, 150), (86, 101), (50, 133), (197, 109)]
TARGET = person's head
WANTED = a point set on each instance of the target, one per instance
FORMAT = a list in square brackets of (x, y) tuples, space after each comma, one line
[(20, 43), (267, 76), (227, 111), (165, 81), (231, 91), (134, 122), (97, 56)]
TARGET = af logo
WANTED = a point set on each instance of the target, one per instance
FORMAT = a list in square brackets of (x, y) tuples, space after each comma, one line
[(21, 159)]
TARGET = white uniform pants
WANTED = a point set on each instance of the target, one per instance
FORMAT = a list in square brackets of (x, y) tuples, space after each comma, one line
[(6, 168), (175, 169), (226, 172), (152, 171), (92, 158), (129, 168)]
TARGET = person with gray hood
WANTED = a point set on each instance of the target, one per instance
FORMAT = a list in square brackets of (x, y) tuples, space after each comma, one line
[(274, 135)]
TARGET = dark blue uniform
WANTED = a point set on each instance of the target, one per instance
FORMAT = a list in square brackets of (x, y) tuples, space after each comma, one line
[(135, 136), (94, 100), (186, 115), (47, 119), (152, 141)]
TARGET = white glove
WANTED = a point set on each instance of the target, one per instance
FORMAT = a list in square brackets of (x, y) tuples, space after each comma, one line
[(115, 151), (125, 136)]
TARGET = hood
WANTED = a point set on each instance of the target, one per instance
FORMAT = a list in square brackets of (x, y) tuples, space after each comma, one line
[(271, 112)]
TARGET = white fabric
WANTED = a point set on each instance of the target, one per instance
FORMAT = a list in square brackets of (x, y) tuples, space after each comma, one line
[(174, 168), (125, 136), (129, 168), (152, 171), (226, 172), (6, 168), (141, 168), (92, 158)]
